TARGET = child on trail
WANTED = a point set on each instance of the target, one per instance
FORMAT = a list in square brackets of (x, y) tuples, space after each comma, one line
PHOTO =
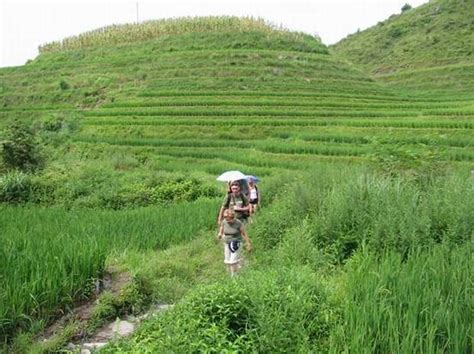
[(232, 232)]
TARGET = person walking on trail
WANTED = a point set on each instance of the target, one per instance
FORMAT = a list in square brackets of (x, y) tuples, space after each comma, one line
[(254, 195), (231, 233), (236, 201)]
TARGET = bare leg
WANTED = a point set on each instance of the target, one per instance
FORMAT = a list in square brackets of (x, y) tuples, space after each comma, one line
[(233, 269)]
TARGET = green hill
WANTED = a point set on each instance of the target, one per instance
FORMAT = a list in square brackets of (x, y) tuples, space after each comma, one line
[(135, 122), (291, 101), (429, 47)]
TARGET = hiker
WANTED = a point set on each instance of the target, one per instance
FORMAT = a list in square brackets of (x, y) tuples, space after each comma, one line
[(244, 187), (236, 201), (231, 232), (254, 195)]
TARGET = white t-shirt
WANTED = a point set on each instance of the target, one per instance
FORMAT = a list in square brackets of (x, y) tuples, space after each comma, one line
[(253, 193)]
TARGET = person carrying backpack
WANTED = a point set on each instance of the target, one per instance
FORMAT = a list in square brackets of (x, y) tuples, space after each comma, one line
[(236, 201)]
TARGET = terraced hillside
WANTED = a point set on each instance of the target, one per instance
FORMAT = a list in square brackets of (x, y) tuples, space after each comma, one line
[(147, 116), (252, 99), (429, 48)]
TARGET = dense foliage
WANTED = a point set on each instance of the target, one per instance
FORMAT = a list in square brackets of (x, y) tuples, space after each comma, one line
[(21, 150), (403, 282)]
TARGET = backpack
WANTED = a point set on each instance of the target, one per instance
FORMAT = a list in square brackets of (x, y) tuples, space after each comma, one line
[(245, 214)]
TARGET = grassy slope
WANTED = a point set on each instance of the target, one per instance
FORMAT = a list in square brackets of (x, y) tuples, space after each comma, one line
[(430, 47), (291, 102)]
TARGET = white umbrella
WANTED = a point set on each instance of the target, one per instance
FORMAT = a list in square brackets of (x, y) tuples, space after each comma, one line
[(231, 176)]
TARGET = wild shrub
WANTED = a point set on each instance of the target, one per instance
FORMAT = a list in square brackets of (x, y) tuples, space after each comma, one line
[(395, 32), (52, 123), (181, 190), (268, 312), (406, 7), (393, 214), (64, 85), (21, 149), (335, 211), (15, 187), (165, 193)]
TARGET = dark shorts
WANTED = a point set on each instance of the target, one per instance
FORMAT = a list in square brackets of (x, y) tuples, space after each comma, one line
[(253, 202)]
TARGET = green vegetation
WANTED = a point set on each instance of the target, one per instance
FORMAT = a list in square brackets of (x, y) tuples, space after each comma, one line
[(20, 151), (363, 241), (437, 33), (50, 258), (322, 270), (419, 304), (428, 48), (119, 34)]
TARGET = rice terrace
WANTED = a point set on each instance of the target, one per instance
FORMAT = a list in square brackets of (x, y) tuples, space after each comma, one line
[(111, 142)]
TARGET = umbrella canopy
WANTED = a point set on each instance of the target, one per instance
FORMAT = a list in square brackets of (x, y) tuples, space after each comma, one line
[(255, 179), (231, 176)]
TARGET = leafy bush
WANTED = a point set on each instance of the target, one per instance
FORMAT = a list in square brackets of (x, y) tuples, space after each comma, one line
[(395, 32), (21, 149), (64, 85), (52, 123), (406, 7), (269, 312), (15, 187), (165, 193), (181, 190)]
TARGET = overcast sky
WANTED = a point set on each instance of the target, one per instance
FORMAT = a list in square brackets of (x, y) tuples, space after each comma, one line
[(27, 24)]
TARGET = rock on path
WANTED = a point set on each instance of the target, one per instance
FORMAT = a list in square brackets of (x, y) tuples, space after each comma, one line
[(115, 330)]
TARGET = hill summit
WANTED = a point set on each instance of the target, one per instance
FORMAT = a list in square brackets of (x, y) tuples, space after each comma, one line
[(438, 33), (132, 33)]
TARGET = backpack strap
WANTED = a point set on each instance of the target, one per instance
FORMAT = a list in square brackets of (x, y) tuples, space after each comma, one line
[(227, 202)]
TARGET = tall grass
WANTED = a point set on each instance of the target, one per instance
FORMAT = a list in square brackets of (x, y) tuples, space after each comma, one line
[(406, 288), (421, 305), (347, 207), (49, 257)]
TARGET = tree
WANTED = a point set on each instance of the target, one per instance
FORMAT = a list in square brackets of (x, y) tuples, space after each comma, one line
[(406, 7), (20, 150)]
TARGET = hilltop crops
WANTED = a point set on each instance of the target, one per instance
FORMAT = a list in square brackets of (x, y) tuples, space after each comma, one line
[(119, 34)]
